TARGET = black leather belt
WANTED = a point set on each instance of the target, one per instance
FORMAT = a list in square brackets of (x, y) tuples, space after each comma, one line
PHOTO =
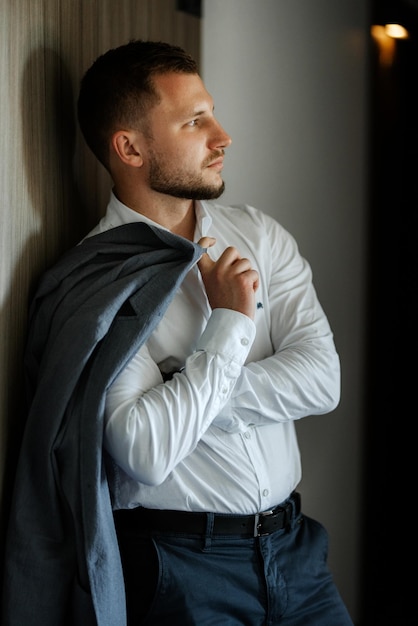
[(190, 523)]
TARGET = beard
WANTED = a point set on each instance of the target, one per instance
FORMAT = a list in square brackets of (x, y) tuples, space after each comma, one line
[(172, 181)]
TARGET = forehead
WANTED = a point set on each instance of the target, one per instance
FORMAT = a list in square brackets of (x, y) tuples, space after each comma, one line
[(181, 94)]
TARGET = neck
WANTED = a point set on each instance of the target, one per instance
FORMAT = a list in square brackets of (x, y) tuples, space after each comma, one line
[(175, 214), (181, 223)]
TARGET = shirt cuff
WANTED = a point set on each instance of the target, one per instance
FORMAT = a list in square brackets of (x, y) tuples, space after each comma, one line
[(229, 333)]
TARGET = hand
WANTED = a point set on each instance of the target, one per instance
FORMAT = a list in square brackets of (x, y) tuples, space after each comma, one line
[(230, 282)]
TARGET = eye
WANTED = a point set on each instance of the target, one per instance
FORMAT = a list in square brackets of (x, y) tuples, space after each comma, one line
[(193, 123)]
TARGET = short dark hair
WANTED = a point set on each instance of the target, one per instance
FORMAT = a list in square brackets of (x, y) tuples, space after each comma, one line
[(117, 90)]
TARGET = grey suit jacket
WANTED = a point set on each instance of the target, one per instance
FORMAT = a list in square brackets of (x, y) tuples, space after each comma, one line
[(91, 313)]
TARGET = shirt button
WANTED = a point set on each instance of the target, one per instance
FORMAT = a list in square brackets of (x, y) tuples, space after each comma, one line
[(224, 390), (265, 492), (244, 341), (247, 435)]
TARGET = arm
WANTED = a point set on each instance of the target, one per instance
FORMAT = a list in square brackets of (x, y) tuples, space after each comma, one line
[(152, 425), (302, 375)]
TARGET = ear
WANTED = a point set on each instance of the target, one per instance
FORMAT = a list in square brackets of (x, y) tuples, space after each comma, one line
[(125, 144)]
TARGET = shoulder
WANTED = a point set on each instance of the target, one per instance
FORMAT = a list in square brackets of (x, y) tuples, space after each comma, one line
[(257, 235), (251, 222)]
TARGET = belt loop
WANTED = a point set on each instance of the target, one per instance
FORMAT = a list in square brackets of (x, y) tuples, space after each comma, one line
[(256, 525), (294, 502), (210, 520)]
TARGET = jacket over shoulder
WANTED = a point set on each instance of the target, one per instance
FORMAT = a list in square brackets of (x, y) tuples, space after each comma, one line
[(91, 313)]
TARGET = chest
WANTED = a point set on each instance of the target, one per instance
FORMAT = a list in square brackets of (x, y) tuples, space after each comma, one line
[(177, 334)]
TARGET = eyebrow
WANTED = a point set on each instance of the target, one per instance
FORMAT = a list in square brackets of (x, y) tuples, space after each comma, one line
[(200, 112)]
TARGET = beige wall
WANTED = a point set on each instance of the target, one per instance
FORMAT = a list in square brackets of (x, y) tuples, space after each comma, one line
[(51, 190)]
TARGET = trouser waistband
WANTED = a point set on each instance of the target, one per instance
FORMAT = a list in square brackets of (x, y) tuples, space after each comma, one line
[(190, 523)]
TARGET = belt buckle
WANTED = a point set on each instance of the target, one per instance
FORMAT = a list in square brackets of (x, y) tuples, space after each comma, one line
[(257, 522)]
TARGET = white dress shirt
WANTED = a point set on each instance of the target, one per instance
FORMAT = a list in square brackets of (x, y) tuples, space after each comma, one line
[(219, 434)]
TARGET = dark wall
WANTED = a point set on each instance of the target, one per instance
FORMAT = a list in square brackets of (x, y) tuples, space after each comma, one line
[(388, 586)]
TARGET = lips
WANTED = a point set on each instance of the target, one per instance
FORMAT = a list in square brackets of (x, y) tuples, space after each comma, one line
[(216, 163), (215, 160)]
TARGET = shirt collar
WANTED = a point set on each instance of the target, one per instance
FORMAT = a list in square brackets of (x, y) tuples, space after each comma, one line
[(120, 214)]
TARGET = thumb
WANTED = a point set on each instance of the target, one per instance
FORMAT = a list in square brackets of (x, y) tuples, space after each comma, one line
[(206, 242)]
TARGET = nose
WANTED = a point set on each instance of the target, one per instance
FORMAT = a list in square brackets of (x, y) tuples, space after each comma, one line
[(220, 138)]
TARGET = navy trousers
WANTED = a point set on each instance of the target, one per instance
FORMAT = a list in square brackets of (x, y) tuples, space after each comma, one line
[(281, 579)]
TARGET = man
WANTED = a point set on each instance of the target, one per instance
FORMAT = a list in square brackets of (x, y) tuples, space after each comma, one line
[(199, 404)]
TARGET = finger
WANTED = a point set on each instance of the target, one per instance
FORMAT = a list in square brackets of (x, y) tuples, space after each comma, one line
[(206, 242), (231, 259), (256, 280), (205, 263), (230, 255)]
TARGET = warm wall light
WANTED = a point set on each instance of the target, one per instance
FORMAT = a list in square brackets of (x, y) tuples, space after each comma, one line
[(396, 31), (385, 44), (385, 37)]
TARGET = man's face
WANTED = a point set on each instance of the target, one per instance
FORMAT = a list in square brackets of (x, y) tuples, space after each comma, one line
[(185, 150)]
